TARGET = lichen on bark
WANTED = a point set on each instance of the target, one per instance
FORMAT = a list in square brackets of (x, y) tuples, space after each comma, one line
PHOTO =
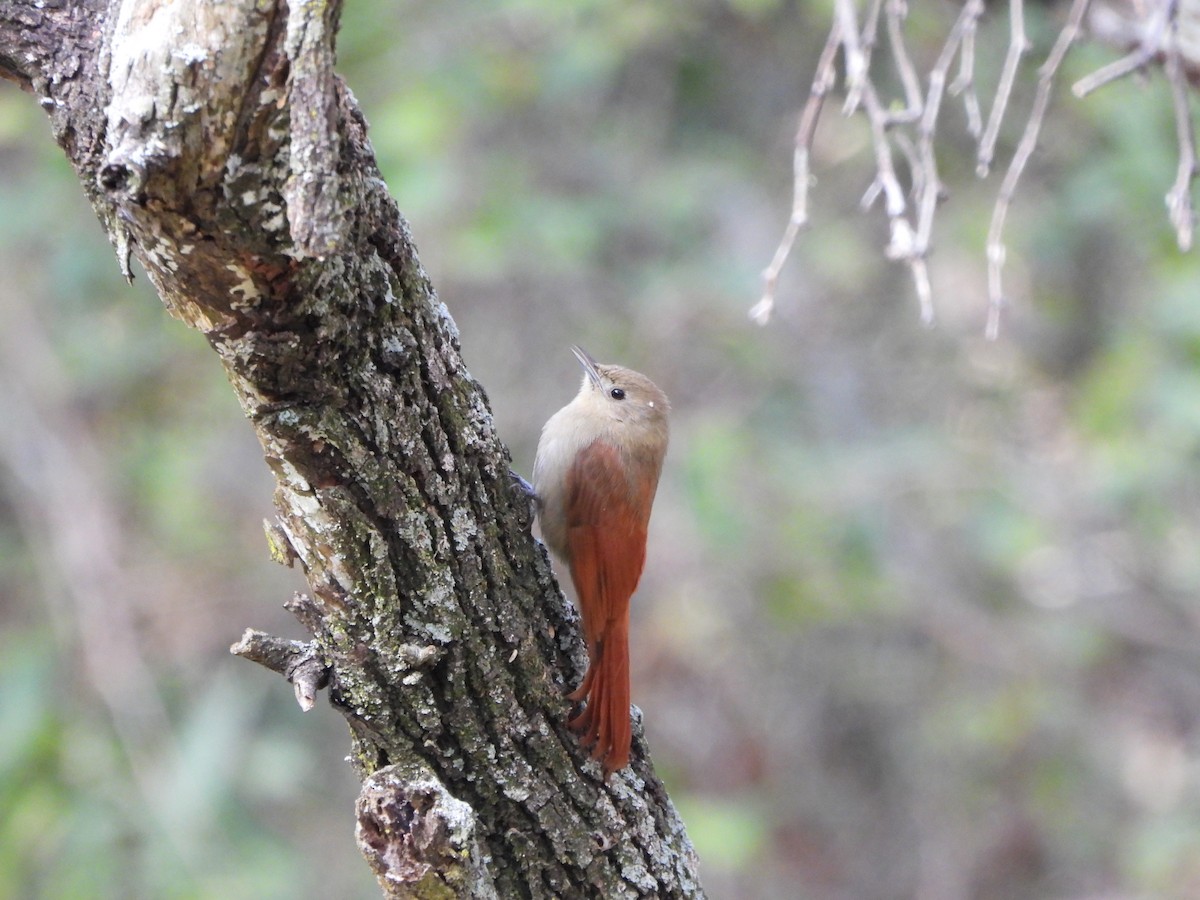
[(217, 144)]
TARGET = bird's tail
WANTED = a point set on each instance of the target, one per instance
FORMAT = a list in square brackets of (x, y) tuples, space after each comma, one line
[(604, 724)]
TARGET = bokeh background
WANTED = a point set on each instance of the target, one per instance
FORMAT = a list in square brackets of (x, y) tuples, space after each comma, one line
[(921, 611)]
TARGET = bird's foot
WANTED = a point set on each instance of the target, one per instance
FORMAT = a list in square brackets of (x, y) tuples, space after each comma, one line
[(527, 489)]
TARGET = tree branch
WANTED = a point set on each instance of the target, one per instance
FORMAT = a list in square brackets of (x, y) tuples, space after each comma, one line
[(995, 242), (220, 150)]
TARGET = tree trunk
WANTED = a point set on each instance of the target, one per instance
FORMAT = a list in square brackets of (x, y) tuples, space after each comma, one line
[(218, 147)]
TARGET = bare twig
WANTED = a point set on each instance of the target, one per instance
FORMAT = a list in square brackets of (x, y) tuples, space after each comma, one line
[(921, 179), (1041, 101), (926, 184), (822, 81), (964, 82), (1136, 60), (868, 39), (298, 661), (897, 11), (920, 274), (902, 243), (1179, 198), (908, 149), (911, 130), (1160, 39), (871, 194), (1149, 46), (854, 60), (1018, 45), (893, 194), (931, 184)]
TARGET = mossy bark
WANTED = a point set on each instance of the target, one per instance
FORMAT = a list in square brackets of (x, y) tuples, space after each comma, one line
[(219, 148)]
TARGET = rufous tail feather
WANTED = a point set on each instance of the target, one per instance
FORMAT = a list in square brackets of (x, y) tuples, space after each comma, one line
[(604, 724)]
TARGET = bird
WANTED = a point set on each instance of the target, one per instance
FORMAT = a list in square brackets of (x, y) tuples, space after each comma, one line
[(595, 476)]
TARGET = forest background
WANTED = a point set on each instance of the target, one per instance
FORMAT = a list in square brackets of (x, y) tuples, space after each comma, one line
[(920, 614)]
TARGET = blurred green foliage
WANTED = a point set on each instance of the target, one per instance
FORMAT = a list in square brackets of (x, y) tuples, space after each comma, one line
[(920, 613)]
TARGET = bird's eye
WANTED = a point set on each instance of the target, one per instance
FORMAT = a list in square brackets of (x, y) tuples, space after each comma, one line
[(617, 394)]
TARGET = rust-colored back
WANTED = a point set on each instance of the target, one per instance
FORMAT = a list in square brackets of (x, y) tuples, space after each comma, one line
[(607, 511)]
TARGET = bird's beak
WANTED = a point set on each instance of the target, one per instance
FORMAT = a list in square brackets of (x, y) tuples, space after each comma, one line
[(589, 364)]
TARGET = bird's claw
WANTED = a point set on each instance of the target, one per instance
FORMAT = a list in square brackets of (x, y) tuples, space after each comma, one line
[(526, 488)]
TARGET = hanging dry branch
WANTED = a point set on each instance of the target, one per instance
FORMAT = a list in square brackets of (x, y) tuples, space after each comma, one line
[(822, 82), (996, 251), (1179, 198), (1161, 33), (1167, 35)]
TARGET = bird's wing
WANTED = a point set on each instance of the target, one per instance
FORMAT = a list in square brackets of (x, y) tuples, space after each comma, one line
[(607, 513), (606, 517)]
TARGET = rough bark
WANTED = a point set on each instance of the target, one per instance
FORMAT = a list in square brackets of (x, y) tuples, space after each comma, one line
[(219, 148)]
